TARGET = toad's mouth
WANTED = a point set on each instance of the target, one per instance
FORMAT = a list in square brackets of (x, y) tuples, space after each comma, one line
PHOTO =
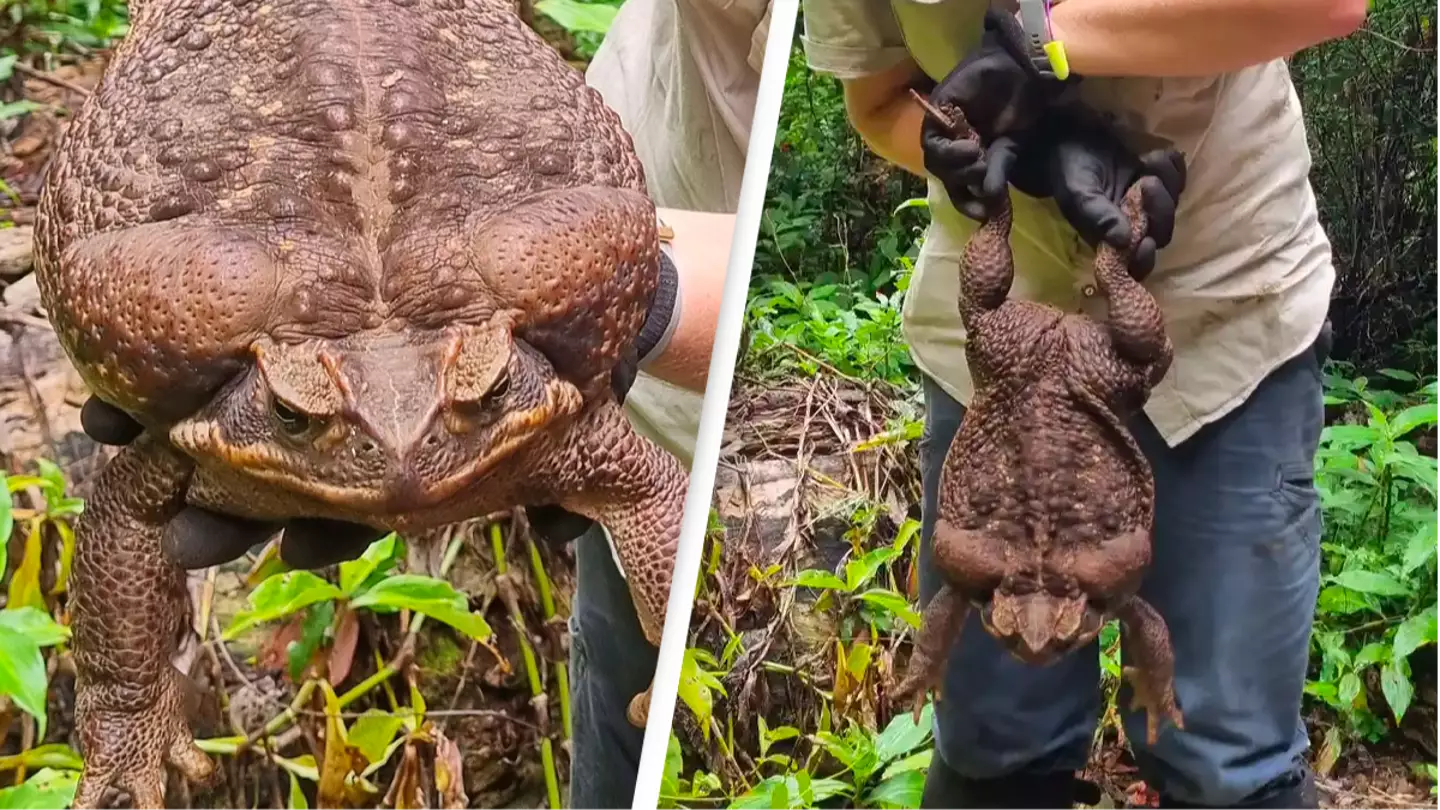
[(409, 495), (1040, 628)]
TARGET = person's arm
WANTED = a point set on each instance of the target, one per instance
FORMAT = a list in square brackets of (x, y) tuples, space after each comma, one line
[(701, 251), (888, 119), (1162, 38)]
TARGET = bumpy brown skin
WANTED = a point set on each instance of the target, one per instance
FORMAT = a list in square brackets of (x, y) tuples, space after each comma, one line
[(1046, 502), (362, 260)]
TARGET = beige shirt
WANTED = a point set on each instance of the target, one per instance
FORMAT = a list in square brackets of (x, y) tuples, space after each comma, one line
[(682, 75), (1245, 283)]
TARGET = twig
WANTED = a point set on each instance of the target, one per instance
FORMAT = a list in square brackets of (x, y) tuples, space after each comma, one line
[(21, 67), (934, 112)]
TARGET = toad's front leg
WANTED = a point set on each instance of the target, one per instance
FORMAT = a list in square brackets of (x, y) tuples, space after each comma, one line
[(1152, 677), (636, 490), (129, 611)]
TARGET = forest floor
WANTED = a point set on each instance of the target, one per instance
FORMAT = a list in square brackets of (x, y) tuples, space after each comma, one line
[(780, 515)]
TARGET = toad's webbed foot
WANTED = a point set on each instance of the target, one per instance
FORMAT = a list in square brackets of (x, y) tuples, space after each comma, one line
[(636, 491), (128, 748), (129, 608), (1152, 677), (939, 628)]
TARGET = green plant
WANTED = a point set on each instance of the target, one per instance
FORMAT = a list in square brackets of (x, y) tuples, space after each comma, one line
[(1377, 605)]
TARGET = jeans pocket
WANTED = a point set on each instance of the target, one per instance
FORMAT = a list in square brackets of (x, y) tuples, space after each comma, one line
[(1295, 486)]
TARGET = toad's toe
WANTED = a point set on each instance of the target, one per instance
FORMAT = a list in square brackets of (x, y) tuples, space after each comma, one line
[(639, 711), (128, 748)]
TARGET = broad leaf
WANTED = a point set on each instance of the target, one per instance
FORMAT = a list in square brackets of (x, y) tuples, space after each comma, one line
[(33, 624), (1397, 688), (815, 578), (901, 790), (46, 789), (22, 676), (429, 596), (378, 557), (1414, 633), (1372, 583), (918, 761), (575, 17), (280, 596), (1411, 418), (904, 735), (1421, 547), (372, 733), (893, 603)]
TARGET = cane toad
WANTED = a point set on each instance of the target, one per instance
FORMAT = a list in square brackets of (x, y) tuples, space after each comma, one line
[(368, 261), (1046, 502)]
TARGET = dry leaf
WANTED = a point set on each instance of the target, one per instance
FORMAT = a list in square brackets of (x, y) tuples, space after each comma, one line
[(449, 773), (342, 652), (405, 792), (337, 763)]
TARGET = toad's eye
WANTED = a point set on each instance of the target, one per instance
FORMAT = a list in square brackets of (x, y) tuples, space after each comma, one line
[(497, 391), (290, 420)]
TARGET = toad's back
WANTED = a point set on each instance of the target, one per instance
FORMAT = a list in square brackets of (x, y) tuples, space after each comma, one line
[(1037, 443), (319, 168)]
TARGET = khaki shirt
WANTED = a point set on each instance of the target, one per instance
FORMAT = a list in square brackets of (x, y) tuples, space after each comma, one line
[(682, 75), (1245, 283)]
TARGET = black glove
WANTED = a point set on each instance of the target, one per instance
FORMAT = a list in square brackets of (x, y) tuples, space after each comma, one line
[(554, 524), (1002, 95), (1090, 169)]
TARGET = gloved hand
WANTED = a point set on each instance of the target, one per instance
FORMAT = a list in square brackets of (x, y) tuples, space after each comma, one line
[(1089, 171), (1002, 95)]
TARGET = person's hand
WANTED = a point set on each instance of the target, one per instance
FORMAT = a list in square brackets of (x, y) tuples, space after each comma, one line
[(1090, 169), (1002, 96)]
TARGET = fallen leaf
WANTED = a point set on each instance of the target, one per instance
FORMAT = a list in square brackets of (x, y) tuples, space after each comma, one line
[(449, 773), (337, 764), (405, 792), (342, 652)]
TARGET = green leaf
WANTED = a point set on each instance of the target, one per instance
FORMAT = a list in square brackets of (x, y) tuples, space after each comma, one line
[(574, 16), (1414, 633), (372, 732), (901, 790), (695, 691), (15, 109), (379, 556), (429, 596), (50, 755), (1336, 600), (918, 761), (894, 603), (1398, 691), (1349, 688), (674, 759), (297, 796), (1372, 653), (22, 676), (7, 66), (34, 624), (1411, 418), (815, 578), (46, 789), (280, 596), (1372, 583), (903, 735), (1421, 547)]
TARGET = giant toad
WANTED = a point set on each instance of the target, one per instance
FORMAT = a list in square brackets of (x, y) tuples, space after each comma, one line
[(1046, 502), (370, 261)]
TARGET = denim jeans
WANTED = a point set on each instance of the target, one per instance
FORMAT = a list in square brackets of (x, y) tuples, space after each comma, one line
[(610, 662), (1234, 573)]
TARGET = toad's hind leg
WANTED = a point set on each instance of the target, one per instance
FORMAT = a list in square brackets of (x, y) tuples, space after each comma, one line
[(1136, 325), (1152, 678), (129, 612), (636, 491), (944, 617)]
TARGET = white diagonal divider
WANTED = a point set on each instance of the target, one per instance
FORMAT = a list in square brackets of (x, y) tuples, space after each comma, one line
[(753, 183)]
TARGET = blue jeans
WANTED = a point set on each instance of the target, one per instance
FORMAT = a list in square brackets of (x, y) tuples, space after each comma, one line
[(1235, 574), (610, 662)]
